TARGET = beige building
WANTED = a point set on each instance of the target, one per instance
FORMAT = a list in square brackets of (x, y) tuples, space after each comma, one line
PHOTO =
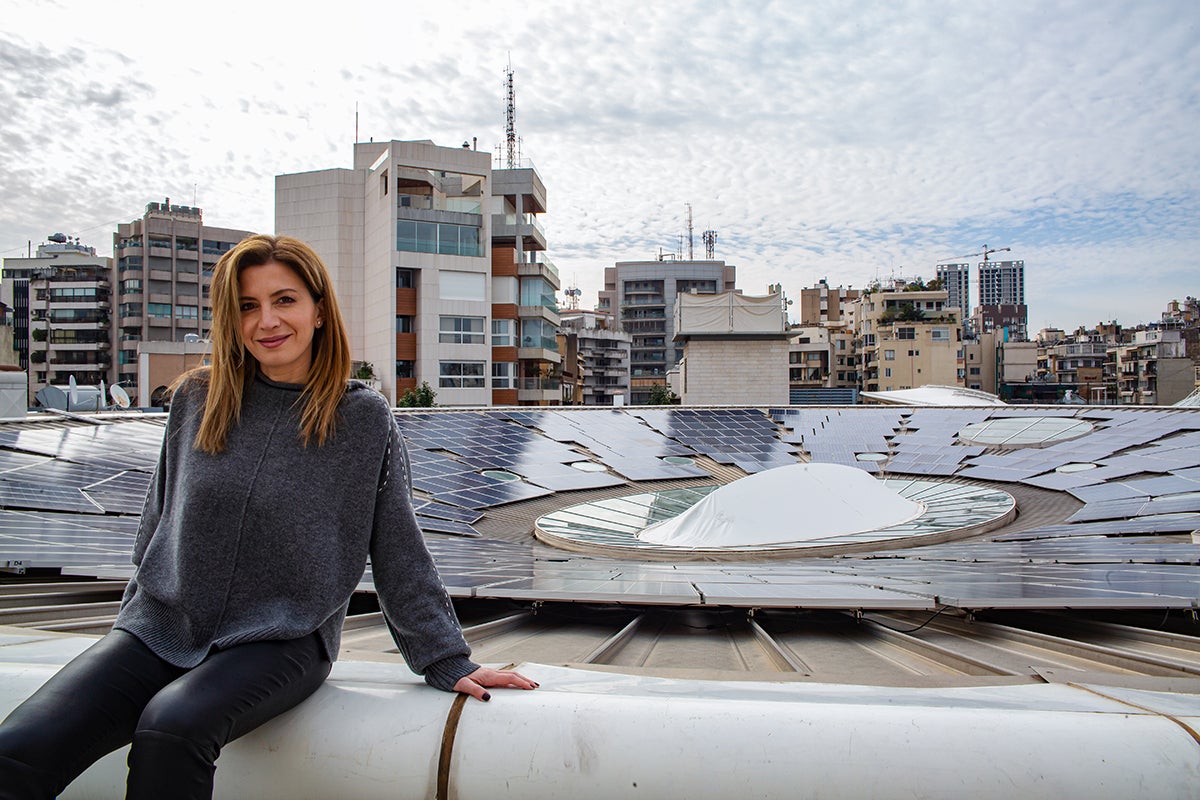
[(160, 363), (735, 349), (1153, 369), (907, 339), (828, 306), (438, 264), (164, 269)]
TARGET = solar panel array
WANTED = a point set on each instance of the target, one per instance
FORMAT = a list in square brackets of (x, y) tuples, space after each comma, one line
[(839, 435), (70, 495)]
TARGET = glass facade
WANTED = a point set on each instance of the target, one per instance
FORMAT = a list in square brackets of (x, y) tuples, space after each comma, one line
[(438, 237)]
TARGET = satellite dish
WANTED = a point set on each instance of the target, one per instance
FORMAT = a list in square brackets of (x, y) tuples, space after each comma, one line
[(119, 396), (72, 393)]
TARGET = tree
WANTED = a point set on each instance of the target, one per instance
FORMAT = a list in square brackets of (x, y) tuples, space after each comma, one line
[(365, 371), (420, 397), (38, 334), (662, 396)]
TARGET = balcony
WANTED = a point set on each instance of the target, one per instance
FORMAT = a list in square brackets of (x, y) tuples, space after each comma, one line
[(538, 268), (508, 227), (539, 390)]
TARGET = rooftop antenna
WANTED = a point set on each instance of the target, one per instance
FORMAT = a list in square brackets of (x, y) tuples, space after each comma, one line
[(573, 295), (356, 122), (689, 231), (709, 237), (512, 158)]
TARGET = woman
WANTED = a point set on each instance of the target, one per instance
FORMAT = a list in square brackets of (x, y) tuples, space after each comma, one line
[(275, 480)]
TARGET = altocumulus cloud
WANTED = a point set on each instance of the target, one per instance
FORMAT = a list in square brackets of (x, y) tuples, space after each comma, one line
[(840, 140)]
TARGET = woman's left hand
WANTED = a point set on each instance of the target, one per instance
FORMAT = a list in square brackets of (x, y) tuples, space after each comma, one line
[(478, 682)]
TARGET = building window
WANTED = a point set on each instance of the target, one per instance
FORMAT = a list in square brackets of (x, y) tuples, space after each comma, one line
[(939, 334), (404, 323), (889, 355), (158, 310), (434, 237), (906, 333), (504, 375), (974, 370), (132, 286), (460, 330), (187, 312), (540, 333), (537, 292), (404, 369), (504, 332), (404, 278), (460, 374), (887, 372)]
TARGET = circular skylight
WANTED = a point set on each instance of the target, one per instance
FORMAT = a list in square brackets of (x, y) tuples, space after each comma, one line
[(588, 466), (1012, 432), (1078, 466), (948, 511), (682, 461), (500, 475), (872, 457)]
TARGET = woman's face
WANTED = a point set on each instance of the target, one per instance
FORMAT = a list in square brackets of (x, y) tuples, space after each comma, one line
[(279, 318)]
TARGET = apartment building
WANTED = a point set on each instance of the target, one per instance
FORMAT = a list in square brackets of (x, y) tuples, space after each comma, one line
[(907, 339), (822, 365), (642, 295), (164, 263), (827, 305), (61, 301), (438, 263), (602, 358), (1152, 369), (980, 360), (1002, 300), (956, 280)]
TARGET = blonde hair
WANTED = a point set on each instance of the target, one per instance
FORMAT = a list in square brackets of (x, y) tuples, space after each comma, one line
[(233, 366)]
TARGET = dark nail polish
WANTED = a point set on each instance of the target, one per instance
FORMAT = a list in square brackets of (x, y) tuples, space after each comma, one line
[(487, 696)]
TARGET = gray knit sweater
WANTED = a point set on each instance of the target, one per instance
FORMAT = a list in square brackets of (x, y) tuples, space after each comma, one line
[(269, 539)]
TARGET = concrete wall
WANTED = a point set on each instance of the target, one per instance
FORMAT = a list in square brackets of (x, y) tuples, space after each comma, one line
[(732, 371)]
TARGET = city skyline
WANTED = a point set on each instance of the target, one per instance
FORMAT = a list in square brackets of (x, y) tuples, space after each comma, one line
[(838, 141)]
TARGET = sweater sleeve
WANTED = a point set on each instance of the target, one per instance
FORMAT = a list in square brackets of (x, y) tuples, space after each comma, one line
[(414, 601), (152, 509)]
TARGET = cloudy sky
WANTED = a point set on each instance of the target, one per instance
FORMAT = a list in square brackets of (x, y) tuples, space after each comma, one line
[(840, 140)]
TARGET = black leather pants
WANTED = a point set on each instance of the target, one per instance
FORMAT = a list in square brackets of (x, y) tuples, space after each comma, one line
[(119, 692)]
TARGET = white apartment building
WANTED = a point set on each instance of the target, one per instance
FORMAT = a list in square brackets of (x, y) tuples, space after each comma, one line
[(62, 310), (1001, 283), (436, 259), (603, 357), (956, 280)]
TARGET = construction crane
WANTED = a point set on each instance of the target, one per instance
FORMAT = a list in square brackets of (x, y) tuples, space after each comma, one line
[(985, 253)]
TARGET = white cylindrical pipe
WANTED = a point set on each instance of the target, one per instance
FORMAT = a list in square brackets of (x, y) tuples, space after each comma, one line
[(373, 731)]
